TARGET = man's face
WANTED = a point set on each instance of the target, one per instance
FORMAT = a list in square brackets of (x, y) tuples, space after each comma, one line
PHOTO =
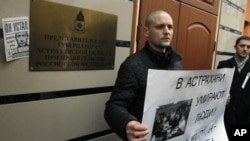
[(160, 31), (242, 49), (22, 38)]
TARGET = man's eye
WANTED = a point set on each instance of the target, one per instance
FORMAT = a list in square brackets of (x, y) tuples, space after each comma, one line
[(170, 27), (243, 45), (160, 26)]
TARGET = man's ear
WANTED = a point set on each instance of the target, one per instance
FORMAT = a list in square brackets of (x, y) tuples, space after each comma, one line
[(235, 46), (145, 30)]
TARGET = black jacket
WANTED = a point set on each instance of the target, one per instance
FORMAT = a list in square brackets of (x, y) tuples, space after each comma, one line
[(127, 98), (238, 110)]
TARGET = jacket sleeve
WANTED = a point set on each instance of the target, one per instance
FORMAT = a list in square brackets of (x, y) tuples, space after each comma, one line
[(123, 95)]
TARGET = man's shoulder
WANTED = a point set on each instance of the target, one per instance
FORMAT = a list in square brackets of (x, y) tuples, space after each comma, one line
[(136, 56), (227, 60), (135, 61), (226, 63)]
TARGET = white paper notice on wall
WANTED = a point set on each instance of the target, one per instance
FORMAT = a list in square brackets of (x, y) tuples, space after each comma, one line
[(16, 37)]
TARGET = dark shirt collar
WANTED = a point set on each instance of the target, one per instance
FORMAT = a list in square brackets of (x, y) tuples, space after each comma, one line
[(169, 54)]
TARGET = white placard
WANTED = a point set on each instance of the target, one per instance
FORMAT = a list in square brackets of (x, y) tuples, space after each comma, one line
[(187, 105)]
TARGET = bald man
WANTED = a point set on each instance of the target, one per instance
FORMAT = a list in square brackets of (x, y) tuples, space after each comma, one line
[(124, 109)]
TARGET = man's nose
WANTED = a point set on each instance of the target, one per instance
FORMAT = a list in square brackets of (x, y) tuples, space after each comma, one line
[(166, 30)]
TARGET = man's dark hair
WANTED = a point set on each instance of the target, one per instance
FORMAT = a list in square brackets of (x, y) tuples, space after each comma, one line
[(242, 38)]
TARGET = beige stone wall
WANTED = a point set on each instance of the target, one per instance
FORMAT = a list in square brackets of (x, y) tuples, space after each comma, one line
[(62, 118), (231, 26)]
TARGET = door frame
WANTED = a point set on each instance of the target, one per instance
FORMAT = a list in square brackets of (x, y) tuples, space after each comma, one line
[(136, 8)]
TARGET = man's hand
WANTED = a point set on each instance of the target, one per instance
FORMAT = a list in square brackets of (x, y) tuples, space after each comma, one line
[(136, 131)]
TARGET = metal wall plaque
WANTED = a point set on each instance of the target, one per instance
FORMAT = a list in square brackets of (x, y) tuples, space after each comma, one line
[(64, 37)]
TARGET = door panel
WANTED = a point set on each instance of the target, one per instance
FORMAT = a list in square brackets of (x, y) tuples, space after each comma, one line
[(196, 38), (146, 6), (211, 6), (194, 29)]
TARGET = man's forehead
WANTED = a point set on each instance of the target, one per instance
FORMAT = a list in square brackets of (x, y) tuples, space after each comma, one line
[(163, 19), (21, 33), (162, 23), (244, 41)]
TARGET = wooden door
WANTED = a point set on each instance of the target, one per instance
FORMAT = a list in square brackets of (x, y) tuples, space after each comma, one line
[(196, 37), (146, 6), (194, 29), (211, 6)]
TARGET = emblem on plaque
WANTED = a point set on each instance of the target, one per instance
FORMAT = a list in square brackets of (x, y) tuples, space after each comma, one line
[(80, 22)]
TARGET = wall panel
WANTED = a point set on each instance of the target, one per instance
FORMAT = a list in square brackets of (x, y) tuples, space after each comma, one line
[(231, 26), (29, 108)]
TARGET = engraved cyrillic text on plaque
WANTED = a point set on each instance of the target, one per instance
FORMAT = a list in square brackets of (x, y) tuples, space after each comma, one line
[(64, 37)]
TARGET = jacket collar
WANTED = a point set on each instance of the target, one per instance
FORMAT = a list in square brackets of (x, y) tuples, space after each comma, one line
[(170, 53)]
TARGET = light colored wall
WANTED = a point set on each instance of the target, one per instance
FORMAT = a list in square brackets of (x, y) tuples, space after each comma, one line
[(62, 118), (23, 79), (72, 117), (232, 17)]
